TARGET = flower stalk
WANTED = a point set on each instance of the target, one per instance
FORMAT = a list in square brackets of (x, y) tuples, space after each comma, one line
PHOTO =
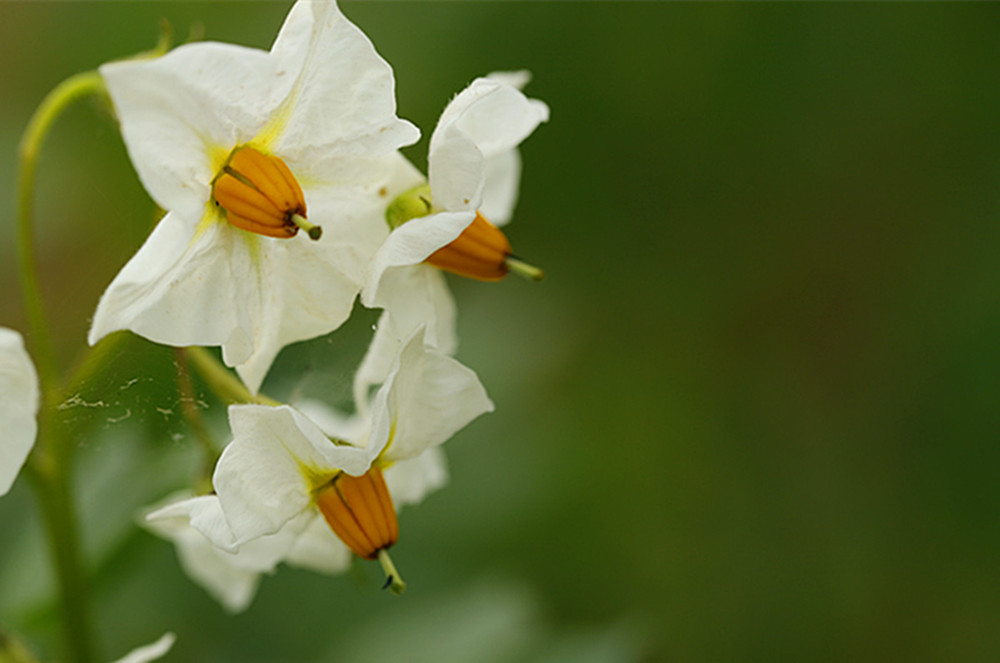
[(221, 380), (51, 462), (393, 580), (66, 93)]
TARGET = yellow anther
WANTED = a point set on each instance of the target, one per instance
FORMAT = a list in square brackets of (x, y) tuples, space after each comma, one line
[(260, 195)]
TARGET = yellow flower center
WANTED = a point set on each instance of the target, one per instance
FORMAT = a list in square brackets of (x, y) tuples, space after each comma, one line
[(481, 252), (359, 510), (259, 194)]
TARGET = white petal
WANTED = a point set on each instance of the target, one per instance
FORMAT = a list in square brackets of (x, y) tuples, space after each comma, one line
[(266, 475), (343, 100), (231, 584), (413, 296), (495, 116), (203, 514), (516, 79), (313, 284), (425, 401), (503, 179), (188, 286), (410, 244), (353, 429), (150, 652), (409, 481), (486, 119), (176, 110), (196, 525), (305, 291), (456, 169), (18, 406), (318, 549)]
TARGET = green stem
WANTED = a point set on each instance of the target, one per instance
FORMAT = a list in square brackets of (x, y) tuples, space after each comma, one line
[(64, 94), (393, 580), (221, 380), (189, 407), (51, 461), (54, 490)]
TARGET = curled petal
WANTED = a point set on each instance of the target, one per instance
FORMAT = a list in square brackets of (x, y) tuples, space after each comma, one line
[(18, 406), (426, 399), (410, 244), (485, 120), (267, 474)]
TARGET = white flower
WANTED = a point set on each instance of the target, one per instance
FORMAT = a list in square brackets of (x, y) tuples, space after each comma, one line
[(282, 464), (232, 578), (18, 406), (474, 171), (236, 143), (150, 652)]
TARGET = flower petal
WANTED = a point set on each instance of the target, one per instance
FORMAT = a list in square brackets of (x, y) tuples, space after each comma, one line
[(427, 399), (343, 101), (503, 180), (307, 289), (413, 296), (410, 244), (353, 428), (188, 286), (150, 652), (486, 119), (410, 480), (18, 406), (176, 110), (318, 549), (267, 474), (230, 583)]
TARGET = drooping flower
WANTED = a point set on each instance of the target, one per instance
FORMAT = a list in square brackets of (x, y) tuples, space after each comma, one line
[(452, 220), (244, 148), (18, 406), (282, 464)]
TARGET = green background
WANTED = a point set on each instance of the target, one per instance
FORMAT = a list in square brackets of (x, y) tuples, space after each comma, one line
[(751, 413)]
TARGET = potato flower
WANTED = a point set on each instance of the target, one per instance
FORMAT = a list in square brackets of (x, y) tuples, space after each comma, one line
[(244, 148), (451, 221), (282, 464)]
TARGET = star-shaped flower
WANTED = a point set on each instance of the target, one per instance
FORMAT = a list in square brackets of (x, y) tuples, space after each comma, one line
[(451, 221), (281, 464), (18, 406), (244, 148)]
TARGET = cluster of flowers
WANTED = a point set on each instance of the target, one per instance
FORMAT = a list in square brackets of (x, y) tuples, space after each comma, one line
[(244, 149)]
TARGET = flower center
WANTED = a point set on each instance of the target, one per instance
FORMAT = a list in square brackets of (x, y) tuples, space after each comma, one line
[(359, 510), (481, 252), (259, 194)]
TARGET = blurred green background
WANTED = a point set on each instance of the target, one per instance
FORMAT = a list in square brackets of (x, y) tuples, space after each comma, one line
[(751, 414)]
